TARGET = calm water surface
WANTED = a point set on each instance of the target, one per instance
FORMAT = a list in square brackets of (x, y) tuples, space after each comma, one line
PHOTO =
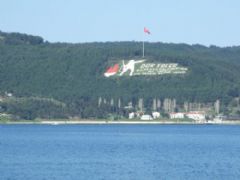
[(64, 152)]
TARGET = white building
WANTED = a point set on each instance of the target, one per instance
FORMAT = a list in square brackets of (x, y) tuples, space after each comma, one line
[(155, 115), (178, 115), (131, 115), (218, 119), (8, 94), (196, 115), (146, 117)]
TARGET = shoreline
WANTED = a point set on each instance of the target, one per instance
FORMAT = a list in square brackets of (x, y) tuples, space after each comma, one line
[(79, 122)]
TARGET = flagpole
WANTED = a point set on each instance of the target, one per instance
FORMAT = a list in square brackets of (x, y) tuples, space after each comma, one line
[(143, 47), (145, 30)]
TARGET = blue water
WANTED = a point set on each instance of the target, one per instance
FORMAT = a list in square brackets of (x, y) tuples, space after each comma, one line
[(64, 152)]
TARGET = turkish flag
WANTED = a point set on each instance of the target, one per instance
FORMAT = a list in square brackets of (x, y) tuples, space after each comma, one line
[(146, 30)]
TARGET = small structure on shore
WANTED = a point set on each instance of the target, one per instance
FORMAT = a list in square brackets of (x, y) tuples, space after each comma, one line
[(219, 118), (156, 115), (196, 115), (131, 115), (146, 117), (178, 115)]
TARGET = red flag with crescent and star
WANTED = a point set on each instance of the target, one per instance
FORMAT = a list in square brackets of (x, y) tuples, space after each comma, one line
[(146, 30)]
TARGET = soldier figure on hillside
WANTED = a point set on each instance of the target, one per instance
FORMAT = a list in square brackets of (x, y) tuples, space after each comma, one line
[(130, 66)]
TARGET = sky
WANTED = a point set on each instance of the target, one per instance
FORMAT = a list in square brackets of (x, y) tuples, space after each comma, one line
[(206, 22)]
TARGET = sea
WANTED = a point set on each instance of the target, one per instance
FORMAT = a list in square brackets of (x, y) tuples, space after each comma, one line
[(119, 152)]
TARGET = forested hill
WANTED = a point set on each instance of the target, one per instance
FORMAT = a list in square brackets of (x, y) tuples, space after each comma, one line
[(32, 67)]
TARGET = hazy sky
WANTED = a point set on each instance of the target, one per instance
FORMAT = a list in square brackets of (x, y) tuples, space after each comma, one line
[(208, 22)]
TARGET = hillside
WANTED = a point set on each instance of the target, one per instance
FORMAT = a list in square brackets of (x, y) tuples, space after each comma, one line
[(74, 73)]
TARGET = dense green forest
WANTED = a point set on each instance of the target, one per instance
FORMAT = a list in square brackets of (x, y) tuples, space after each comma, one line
[(68, 78)]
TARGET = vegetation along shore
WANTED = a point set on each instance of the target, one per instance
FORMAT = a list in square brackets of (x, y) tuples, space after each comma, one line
[(113, 81)]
